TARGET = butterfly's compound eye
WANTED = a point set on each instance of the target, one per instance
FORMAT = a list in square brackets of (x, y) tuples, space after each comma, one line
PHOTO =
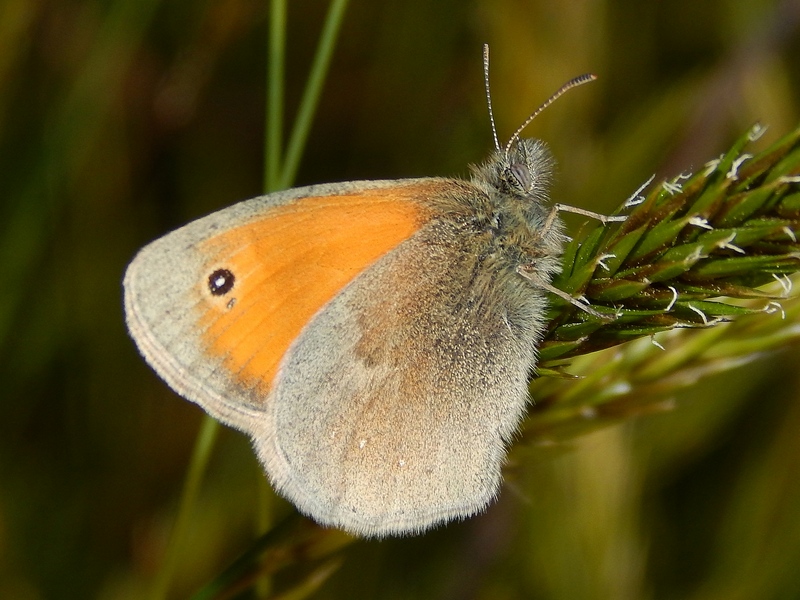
[(519, 178)]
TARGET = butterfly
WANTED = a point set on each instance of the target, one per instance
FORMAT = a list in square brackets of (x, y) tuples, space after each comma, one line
[(373, 338)]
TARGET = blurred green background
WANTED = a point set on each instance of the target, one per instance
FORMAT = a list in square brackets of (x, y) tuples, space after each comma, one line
[(122, 119)]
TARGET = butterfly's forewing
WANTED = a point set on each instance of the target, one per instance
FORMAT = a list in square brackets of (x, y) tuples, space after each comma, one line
[(284, 255)]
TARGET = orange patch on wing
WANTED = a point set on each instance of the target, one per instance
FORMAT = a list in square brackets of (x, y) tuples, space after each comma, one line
[(289, 263)]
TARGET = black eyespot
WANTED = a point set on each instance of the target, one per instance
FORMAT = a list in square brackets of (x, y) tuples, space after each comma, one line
[(220, 282)]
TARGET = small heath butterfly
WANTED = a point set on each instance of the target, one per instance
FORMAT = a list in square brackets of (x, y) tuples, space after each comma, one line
[(373, 338)]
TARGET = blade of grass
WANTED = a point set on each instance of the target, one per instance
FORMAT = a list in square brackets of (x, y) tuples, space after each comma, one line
[(276, 53), (197, 467), (308, 105)]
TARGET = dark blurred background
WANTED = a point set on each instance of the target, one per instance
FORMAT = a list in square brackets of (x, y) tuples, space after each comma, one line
[(122, 119)]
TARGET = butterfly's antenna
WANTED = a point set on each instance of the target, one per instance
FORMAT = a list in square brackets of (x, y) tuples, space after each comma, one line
[(489, 94), (580, 80)]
